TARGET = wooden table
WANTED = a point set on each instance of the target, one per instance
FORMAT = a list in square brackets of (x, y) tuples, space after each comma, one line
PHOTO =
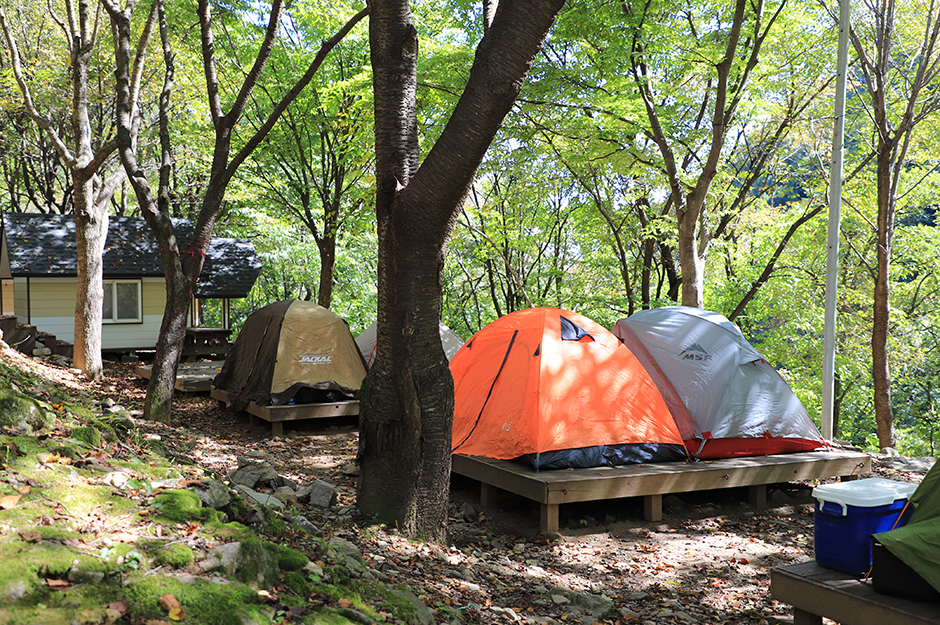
[(651, 481), (815, 591), (191, 377), (202, 342)]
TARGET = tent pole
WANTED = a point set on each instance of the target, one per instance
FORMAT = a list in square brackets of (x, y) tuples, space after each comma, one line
[(835, 206)]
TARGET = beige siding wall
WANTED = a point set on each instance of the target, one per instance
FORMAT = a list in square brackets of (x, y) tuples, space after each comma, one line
[(53, 306), (153, 294), (52, 297)]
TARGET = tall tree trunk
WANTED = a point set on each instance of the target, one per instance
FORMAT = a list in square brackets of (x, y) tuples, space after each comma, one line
[(902, 95), (407, 404), (690, 260), (881, 303), (91, 232)]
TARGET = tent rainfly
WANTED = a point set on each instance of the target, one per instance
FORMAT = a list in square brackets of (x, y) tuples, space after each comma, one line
[(366, 342), (917, 543), (557, 389), (739, 403), (292, 351)]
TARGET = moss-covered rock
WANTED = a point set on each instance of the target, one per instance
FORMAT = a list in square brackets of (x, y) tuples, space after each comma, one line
[(157, 448), (247, 561), (287, 559), (177, 556), (88, 435), (21, 413), (183, 506), (202, 601)]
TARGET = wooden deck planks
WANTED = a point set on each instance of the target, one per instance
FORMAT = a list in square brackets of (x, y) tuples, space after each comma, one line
[(652, 481), (277, 415), (815, 591)]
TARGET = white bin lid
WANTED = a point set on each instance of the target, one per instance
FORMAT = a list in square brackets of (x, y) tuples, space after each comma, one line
[(867, 493)]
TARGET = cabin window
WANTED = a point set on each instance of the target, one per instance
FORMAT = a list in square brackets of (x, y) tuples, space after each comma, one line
[(121, 301)]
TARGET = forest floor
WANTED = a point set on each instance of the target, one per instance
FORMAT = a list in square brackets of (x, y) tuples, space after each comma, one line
[(708, 561)]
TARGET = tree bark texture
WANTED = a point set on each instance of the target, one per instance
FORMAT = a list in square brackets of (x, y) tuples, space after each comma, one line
[(407, 403), (92, 192), (91, 232), (881, 302)]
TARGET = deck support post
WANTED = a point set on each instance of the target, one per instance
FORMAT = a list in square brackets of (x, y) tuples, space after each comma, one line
[(757, 495), (488, 494), (277, 428), (802, 617), (548, 518), (653, 507)]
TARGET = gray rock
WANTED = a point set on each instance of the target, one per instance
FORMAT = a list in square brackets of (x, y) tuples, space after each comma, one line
[(118, 479), (22, 413), (251, 475), (509, 612), (347, 548), (599, 606), (283, 482), (78, 576), (628, 614), (285, 494), (42, 351), (463, 572), (306, 525), (14, 592), (251, 564), (320, 494), (215, 495), (253, 495)]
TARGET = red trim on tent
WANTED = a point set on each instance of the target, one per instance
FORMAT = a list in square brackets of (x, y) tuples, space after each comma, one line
[(715, 448)]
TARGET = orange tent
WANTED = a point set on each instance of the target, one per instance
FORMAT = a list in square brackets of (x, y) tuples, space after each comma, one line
[(560, 390)]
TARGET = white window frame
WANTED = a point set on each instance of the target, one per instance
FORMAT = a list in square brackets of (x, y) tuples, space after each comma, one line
[(114, 304)]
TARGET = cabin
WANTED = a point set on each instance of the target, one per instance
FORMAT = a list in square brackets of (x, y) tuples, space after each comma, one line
[(39, 278)]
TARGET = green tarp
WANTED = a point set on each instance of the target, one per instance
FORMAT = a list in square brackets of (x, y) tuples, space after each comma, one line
[(917, 544)]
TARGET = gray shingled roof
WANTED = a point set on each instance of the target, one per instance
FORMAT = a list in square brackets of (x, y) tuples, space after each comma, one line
[(44, 245)]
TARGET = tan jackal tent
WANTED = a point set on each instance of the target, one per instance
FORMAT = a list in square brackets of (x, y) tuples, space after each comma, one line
[(292, 350)]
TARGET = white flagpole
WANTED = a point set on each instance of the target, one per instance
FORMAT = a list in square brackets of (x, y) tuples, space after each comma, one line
[(835, 206)]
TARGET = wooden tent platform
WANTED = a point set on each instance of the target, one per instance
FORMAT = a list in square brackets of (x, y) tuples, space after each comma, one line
[(277, 415), (651, 481), (191, 377), (815, 591)]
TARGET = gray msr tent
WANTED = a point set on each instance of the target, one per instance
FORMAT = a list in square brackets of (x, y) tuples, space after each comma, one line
[(740, 405), (366, 342)]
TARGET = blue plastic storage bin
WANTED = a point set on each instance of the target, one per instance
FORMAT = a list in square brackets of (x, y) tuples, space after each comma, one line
[(848, 513)]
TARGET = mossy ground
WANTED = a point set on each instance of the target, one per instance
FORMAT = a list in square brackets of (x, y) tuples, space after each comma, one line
[(74, 538)]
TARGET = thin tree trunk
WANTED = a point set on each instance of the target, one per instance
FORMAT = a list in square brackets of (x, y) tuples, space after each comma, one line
[(327, 249), (881, 374)]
